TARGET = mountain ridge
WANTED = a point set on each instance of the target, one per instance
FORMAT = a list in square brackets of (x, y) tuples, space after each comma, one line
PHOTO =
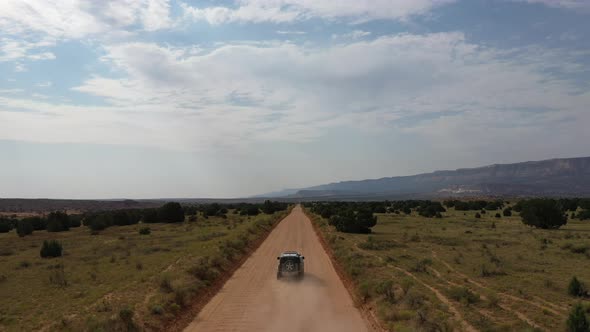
[(551, 177)]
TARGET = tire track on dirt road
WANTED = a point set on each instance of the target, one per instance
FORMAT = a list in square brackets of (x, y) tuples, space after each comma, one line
[(254, 300)]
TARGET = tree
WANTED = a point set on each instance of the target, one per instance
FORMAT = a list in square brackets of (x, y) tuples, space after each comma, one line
[(6, 225), (171, 212), (477, 215), (120, 218), (75, 220), (58, 222), (251, 210), (211, 210), (380, 209), (577, 320), (24, 227), (51, 248), (100, 221), (431, 210), (354, 222), (543, 213), (507, 212), (268, 207), (38, 223), (150, 216), (583, 215)]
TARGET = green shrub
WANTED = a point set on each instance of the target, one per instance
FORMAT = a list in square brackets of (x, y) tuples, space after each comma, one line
[(543, 213), (350, 221), (181, 296), (157, 309), (463, 295), (407, 284), (422, 265), (58, 222), (150, 216), (493, 300), (364, 290), (174, 307), (75, 220), (171, 212), (583, 215), (166, 284), (99, 222), (577, 320), (37, 222), (126, 317), (203, 271), (385, 288), (6, 225), (250, 210), (477, 215), (145, 231), (51, 248), (57, 276), (576, 288), (414, 299), (24, 227)]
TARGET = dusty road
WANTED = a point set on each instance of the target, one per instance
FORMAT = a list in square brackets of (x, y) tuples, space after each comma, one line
[(254, 300)]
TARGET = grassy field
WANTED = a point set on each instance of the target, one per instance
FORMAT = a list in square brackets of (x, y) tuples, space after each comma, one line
[(118, 279), (463, 273)]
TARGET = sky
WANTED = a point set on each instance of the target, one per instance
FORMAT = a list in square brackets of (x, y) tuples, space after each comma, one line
[(181, 98)]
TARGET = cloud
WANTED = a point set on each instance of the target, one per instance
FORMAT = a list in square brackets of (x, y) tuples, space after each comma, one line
[(566, 4), (290, 32), (20, 68), (44, 84), (29, 28), (437, 86), (278, 11), (62, 19), (356, 34), (14, 49)]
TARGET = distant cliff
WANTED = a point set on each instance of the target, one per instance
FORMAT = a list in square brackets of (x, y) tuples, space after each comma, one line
[(555, 177)]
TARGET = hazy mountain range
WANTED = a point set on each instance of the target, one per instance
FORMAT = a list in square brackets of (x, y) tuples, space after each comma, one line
[(554, 177)]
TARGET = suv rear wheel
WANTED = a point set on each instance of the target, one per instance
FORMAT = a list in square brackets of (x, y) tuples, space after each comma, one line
[(289, 266)]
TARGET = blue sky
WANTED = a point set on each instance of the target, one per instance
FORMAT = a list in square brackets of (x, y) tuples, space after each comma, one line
[(179, 98)]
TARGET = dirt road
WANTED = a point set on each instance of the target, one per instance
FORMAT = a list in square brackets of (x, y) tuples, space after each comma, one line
[(254, 300)]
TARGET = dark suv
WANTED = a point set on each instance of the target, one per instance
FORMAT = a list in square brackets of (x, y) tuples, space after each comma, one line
[(290, 265)]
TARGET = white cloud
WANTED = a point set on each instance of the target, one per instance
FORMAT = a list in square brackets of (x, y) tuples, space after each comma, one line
[(290, 32), (14, 49), (356, 34), (292, 10), (65, 19), (11, 91), (44, 84), (567, 4), (31, 27), (20, 68), (156, 15), (236, 95)]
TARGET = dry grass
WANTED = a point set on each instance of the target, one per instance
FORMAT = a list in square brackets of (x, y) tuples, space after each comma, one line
[(498, 274), (100, 275)]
